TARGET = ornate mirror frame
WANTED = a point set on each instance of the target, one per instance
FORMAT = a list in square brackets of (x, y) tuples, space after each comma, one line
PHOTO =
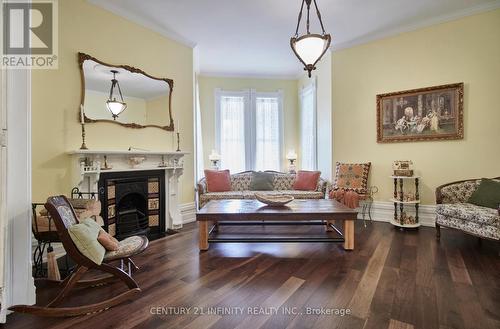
[(82, 57)]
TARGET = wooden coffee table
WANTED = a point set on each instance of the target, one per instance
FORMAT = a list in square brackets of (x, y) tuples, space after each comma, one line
[(298, 212)]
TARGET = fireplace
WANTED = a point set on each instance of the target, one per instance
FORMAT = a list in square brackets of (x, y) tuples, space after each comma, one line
[(133, 203)]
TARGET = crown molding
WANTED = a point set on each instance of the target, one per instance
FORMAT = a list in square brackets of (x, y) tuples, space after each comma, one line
[(215, 74), (423, 24), (137, 19)]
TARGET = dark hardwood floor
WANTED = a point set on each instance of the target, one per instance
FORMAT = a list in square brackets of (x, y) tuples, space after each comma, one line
[(392, 279)]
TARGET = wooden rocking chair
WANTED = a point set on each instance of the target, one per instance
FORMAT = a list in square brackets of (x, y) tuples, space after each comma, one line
[(64, 217)]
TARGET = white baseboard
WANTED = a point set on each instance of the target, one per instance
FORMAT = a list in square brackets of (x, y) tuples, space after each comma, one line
[(384, 212), (188, 212)]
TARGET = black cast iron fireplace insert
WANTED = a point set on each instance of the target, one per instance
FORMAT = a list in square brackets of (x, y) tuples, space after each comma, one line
[(133, 203)]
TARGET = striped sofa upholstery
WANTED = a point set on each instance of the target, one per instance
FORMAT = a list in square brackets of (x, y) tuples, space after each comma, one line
[(240, 188)]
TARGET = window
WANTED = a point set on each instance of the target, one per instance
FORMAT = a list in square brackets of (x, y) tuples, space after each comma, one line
[(308, 127), (248, 130)]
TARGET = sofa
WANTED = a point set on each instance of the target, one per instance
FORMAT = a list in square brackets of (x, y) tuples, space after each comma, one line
[(240, 188), (453, 211)]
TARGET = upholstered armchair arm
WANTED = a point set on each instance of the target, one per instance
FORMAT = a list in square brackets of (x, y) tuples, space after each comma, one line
[(201, 188), (324, 186)]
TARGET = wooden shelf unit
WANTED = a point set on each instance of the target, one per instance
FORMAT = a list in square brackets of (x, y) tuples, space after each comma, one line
[(399, 203)]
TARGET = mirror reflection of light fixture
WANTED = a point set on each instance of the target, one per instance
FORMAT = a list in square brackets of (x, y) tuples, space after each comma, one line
[(114, 106), (310, 47)]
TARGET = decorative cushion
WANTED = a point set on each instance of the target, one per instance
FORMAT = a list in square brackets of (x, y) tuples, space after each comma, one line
[(306, 180), (241, 181), (84, 236), (469, 212), (487, 194), (283, 181), (459, 192), (128, 247), (262, 181), (352, 176), (107, 241), (218, 180)]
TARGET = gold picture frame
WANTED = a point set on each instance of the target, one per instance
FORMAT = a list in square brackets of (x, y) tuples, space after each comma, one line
[(425, 114)]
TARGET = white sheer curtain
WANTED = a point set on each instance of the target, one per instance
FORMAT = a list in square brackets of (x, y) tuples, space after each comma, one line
[(267, 133), (231, 121), (308, 127), (249, 129)]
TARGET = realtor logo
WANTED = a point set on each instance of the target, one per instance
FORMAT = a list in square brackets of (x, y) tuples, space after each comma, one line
[(29, 34)]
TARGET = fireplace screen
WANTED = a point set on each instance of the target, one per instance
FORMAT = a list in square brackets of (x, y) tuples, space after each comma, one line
[(131, 216)]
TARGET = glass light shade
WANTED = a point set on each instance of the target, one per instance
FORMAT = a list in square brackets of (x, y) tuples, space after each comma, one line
[(115, 107), (310, 49)]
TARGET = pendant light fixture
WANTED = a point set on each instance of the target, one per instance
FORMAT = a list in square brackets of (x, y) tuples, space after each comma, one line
[(114, 106), (310, 47)]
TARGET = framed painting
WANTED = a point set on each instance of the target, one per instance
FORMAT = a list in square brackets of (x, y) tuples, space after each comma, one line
[(433, 113)]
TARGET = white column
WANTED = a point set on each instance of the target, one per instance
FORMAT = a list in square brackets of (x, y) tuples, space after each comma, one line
[(19, 285)]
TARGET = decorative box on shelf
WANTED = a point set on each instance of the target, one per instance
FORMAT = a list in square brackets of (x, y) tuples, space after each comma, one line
[(403, 199)]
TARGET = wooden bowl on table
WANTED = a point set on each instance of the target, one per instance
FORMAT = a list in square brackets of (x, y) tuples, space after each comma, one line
[(274, 200)]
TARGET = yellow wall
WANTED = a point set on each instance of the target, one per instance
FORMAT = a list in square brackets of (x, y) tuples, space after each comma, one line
[(207, 86), (56, 94), (466, 50), (157, 111)]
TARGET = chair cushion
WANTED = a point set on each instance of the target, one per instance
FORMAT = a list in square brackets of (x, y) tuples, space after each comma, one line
[(128, 247), (218, 180), (487, 194), (306, 180), (482, 230), (352, 176), (84, 236), (107, 241), (469, 212), (262, 181)]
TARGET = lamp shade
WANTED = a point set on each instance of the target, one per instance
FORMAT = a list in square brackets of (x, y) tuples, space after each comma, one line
[(115, 107), (309, 49), (214, 156), (291, 155)]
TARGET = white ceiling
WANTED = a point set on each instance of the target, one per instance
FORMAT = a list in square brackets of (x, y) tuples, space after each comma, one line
[(251, 37), (98, 78)]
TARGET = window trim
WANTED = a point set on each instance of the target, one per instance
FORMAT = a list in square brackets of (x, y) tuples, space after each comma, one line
[(250, 96), (306, 88)]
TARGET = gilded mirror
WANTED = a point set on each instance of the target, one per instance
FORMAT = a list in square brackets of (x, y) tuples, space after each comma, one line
[(124, 95)]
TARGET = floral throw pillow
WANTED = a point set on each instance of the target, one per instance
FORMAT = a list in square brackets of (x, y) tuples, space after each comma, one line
[(352, 177)]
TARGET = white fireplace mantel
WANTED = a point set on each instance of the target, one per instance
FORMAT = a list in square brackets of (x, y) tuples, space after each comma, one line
[(88, 165)]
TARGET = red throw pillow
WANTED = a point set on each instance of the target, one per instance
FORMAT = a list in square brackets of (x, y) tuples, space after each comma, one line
[(306, 180), (218, 180)]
